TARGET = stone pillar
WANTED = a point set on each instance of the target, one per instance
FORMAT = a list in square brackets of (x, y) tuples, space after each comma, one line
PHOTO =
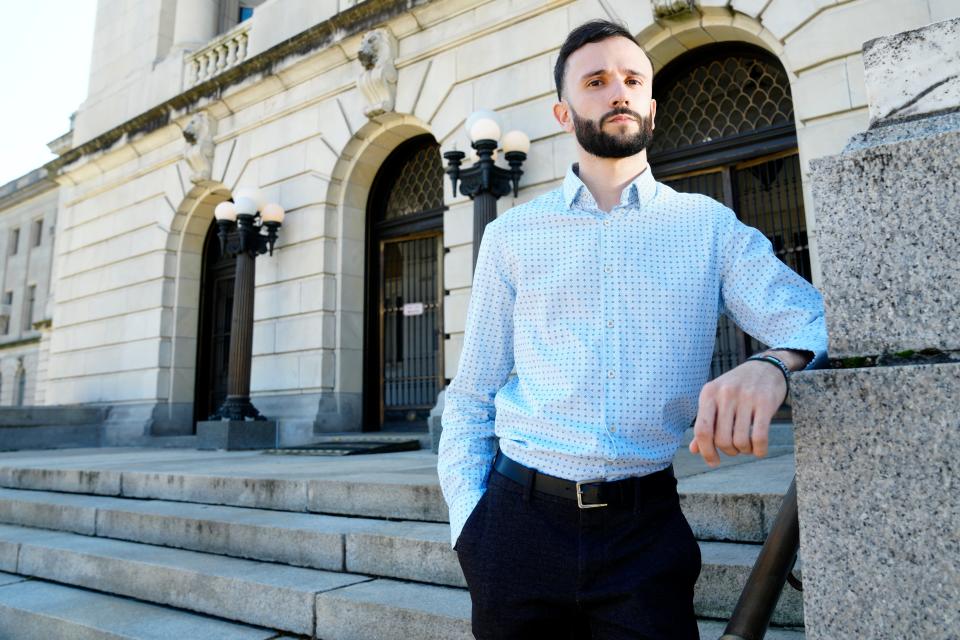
[(878, 434), (195, 24)]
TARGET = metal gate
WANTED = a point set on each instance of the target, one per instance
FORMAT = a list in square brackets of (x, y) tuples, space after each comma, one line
[(410, 327)]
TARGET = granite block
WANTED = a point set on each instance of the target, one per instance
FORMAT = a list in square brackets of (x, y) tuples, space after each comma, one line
[(236, 435), (877, 466), (888, 230), (913, 72)]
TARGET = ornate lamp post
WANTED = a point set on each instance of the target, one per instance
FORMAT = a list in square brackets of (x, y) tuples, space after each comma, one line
[(484, 181), (237, 424)]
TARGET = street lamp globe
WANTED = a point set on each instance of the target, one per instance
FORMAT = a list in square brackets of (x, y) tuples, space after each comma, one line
[(483, 124), (254, 194), (225, 211), (516, 141), (245, 206), (272, 213)]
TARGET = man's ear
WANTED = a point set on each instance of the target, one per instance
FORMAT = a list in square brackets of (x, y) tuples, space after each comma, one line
[(653, 113), (562, 113)]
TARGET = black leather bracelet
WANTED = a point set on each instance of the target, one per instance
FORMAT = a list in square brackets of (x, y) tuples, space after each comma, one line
[(778, 363)]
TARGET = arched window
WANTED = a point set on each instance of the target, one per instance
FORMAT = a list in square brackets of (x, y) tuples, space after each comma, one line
[(725, 128), (720, 98)]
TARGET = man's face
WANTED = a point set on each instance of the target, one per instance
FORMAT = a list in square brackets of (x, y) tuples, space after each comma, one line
[(607, 98)]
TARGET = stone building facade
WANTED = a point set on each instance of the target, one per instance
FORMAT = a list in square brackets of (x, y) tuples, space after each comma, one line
[(338, 110), (28, 215)]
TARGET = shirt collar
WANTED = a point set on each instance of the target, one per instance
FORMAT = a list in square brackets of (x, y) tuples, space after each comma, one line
[(638, 193)]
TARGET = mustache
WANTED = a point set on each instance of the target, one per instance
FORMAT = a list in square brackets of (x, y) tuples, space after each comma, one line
[(620, 111)]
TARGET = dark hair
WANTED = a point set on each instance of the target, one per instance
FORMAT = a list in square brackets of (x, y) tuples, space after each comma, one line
[(592, 31)]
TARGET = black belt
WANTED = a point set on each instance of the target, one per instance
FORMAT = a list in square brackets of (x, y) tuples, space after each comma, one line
[(588, 494)]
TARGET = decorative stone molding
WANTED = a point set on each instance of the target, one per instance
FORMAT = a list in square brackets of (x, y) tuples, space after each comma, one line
[(378, 82), (672, 8), (199, 150)]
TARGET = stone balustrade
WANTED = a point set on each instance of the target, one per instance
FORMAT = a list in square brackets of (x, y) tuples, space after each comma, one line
[(228, 50)]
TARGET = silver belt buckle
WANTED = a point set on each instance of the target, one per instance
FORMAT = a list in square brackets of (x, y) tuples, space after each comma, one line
[(580, 495)]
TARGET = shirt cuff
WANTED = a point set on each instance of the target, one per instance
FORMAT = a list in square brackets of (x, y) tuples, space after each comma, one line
[(460, 512), (816, 362)]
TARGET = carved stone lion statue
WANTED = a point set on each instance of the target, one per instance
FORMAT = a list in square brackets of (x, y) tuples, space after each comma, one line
[(199, 150), (378, 82)]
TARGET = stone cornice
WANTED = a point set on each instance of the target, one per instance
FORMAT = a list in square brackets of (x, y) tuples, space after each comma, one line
[(337, 28), (26, 187), (19, 343)]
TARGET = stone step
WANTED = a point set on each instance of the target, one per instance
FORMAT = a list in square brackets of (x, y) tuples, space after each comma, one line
[(375, 610), (736, 502), (38, 610), (256, 593), (425, 612), (406, 550)]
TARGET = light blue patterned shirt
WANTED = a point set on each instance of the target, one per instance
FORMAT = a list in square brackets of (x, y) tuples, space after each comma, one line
[(610, 320)]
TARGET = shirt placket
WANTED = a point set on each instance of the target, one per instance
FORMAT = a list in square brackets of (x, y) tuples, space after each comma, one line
[(611, 333)]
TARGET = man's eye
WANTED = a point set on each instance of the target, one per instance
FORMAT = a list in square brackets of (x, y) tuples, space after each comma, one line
[(634, 81), (593, 83)]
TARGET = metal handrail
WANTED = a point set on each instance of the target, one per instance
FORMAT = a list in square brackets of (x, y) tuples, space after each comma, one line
[(759, 597)]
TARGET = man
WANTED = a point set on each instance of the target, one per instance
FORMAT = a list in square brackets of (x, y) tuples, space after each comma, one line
[(605, 294)]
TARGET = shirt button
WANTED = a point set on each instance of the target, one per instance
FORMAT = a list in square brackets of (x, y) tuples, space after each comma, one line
[(606, 223), (610, 374), (613, 428), (608, 269), (610, 323)]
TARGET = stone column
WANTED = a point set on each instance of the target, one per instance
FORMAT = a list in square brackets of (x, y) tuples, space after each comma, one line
[(878, 435), (195, 24)]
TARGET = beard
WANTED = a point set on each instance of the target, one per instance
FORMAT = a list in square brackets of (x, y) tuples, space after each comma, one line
[(598, 142)]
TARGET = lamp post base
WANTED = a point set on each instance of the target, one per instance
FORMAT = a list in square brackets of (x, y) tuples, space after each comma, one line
[(236, 435), (237, 408)]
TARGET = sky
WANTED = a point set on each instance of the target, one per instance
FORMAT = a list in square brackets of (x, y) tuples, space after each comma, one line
[(45, 48)]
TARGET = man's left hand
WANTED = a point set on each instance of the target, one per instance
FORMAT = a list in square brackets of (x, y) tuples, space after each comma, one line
[(735, 411)]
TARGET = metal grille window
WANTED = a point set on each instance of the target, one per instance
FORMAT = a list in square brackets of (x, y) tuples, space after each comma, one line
[(721, 97), (419, 185)]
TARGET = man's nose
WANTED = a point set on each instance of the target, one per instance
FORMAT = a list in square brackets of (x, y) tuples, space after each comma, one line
[(620, 97)]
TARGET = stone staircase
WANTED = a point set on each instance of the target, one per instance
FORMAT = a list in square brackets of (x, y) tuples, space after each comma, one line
[(160, 543)]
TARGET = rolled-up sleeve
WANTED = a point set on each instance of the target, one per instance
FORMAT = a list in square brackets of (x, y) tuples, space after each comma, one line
[(467, 442), (765, 297)]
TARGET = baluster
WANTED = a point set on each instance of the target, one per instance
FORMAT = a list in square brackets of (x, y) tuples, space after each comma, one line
[(232, 52), (241, 47), (211, 69), (193, 71)]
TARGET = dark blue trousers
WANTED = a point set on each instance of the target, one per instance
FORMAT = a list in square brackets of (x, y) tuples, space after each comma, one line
[(537, 566)]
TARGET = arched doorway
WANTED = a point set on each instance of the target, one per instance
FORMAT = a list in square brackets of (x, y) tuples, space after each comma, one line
[(213, 334), (725, 128), (403, 333)]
